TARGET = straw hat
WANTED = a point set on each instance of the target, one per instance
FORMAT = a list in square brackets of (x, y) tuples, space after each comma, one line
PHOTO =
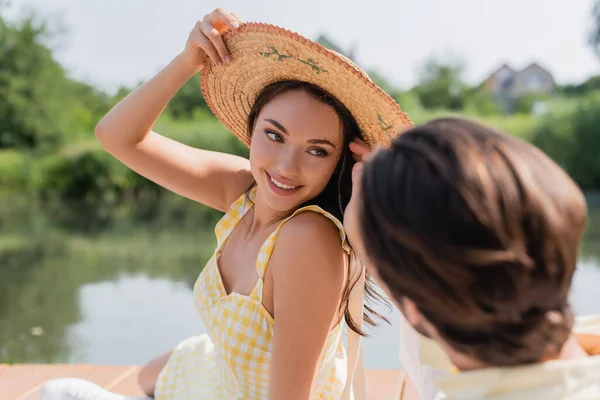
[(263, 54)]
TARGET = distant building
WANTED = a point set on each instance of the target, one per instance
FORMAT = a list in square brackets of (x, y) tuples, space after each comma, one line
[(508, 84), (529, 80)]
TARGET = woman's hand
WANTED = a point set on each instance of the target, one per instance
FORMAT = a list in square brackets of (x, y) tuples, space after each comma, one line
[(361, 153), (205, 42)]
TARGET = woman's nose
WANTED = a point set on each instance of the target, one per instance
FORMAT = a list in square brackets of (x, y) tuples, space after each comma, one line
[(288, 163)]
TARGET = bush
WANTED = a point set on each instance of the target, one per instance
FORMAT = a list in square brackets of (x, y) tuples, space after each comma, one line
[(83, 171), (481, 102), (187, 99), (572, 139), (409, 102), (41, 107), (13, 169), (525, 103), (202, 131), (519, 125)]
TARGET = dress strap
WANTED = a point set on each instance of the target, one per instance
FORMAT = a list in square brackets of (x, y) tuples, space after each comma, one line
[(234, 214), (356, 379), (264, 255), (355, 382)]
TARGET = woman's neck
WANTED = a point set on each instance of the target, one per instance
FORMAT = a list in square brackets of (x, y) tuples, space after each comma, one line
[(264, 215)]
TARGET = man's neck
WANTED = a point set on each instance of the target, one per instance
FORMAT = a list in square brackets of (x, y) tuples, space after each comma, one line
[(570, 350)]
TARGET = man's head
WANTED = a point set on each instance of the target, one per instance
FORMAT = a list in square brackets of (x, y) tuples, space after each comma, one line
[(474, 234)]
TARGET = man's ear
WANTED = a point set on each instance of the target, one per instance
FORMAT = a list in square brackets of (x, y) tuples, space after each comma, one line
[(416, 319), (411, 312)]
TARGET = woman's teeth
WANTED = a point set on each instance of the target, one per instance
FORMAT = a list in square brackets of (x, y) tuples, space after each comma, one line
[(281, 185)]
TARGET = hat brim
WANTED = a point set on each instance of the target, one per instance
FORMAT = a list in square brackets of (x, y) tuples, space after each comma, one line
[(263, 54)]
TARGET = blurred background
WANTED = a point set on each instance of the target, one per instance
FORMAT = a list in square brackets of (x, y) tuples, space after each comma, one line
[(97, 263)]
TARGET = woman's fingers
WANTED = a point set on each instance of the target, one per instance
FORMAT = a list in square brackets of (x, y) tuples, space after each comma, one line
[(214, 25), (214, 37), (237, 18), (359, 149), (224, 20), (200, 40)]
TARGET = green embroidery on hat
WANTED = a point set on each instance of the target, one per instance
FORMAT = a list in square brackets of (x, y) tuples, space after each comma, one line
[(384, 125), (313, 64), (274, 51)]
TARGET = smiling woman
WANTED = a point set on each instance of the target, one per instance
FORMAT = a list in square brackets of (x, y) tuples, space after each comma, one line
[(300, 137), (285, 152), (282, 253)]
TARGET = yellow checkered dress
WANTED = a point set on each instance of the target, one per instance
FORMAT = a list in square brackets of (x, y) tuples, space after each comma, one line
[(232, 360)]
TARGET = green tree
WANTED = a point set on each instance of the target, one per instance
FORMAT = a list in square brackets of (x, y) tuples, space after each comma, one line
[(31, 100), (479, 101), (595, 34), (328, 43), (383, 83), (589, 85), (40, 106), (571, 139), (188, 99), (441, 83)]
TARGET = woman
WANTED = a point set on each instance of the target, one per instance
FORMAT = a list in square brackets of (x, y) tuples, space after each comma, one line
[(474, 234), (281, 253)]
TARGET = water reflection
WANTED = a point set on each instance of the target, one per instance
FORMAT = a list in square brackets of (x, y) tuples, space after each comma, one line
[(117, 289), (164, 314)]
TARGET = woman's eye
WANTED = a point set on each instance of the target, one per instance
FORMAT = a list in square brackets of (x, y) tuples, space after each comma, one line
[(276, 137), (318, 152)]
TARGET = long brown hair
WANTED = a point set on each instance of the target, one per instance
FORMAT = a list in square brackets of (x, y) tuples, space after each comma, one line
[(480, 230), (336, 195)]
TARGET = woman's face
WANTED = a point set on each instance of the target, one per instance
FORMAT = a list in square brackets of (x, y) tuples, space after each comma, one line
[(296, 145)]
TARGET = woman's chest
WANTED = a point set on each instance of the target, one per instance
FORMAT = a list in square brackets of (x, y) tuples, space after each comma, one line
[(237, 262)]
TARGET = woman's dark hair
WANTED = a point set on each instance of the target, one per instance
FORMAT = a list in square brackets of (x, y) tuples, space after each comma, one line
[(336, 195), (481, 231)]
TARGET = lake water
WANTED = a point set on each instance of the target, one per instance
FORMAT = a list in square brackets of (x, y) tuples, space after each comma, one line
[(80, 287)]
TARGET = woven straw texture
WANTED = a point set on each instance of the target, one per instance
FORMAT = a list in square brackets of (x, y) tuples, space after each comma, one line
[(263, 54)]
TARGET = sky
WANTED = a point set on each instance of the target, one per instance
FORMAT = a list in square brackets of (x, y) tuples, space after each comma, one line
[(121, 42)]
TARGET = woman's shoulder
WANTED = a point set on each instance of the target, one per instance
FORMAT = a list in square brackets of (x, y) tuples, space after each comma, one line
[(312, 220), (314, 233), (309, 252)]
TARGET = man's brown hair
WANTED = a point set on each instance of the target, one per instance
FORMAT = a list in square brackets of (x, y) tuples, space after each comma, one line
[(481, 231)]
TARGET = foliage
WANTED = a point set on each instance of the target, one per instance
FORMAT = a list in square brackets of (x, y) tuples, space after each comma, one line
[(187, 100), (13, 169), (589, 85), (572, 139), (595, 33), (441, 83), (47, 119), (480, 102), (381, 81), (40, 107), (84, 171)]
